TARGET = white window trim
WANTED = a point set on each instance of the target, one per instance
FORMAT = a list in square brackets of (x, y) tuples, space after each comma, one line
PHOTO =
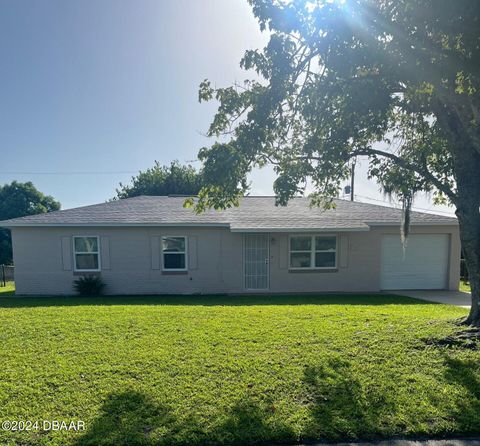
[(312, 252), (81, 252), (179, 252)]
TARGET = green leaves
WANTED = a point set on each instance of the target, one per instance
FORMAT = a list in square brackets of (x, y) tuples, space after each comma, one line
[(223, 170), (163, 180), (21, 199), (392, 81), (18, 200), (205, 91)]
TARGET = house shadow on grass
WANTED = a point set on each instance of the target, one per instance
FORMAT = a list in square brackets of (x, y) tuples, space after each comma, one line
[(130, 418), (212, 300)]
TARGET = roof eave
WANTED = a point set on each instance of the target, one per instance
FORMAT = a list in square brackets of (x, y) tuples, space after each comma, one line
[(111, 225), (367, 226), (301, 230), (453, 222)]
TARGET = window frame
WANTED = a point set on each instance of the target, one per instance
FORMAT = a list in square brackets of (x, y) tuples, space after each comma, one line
[(312, 252), (168, 253), (81, 270)]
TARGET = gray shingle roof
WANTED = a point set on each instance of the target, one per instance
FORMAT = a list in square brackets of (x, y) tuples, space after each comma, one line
[(254, 214)]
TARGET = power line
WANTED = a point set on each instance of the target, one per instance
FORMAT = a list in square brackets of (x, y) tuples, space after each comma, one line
[(81, 172), (113, 172), (130, 172)]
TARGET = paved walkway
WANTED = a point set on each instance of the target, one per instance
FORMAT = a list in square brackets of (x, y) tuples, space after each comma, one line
[(457, 298)]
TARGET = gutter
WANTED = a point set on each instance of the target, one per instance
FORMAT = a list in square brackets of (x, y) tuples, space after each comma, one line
[(112, 225), (300, 230), (453, 222)]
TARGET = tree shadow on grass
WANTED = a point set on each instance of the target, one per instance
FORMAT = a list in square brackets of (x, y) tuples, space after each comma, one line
[(127, 418), (250, 423), (212, 300), (466, 373), (341, 408), (131, 418)]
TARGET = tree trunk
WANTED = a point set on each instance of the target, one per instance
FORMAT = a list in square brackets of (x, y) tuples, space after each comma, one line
[(466, 168), (467, 175), (470, 238)]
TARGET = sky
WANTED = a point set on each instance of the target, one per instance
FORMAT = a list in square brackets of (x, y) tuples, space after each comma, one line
[(91, 92)]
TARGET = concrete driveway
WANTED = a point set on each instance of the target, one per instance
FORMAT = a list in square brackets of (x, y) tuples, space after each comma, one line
[(457, 298)]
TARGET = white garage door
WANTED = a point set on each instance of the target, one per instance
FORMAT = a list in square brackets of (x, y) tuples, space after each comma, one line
[(424, 265)]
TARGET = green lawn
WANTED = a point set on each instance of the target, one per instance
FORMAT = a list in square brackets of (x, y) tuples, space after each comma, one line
[(464, 286), (9, 290), (233, 370)]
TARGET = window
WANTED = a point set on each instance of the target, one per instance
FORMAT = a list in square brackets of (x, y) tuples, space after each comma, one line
[(313, 252), (174, 253), (86, 253)]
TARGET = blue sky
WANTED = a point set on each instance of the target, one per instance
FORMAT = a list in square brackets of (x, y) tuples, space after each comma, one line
[(111, 86)]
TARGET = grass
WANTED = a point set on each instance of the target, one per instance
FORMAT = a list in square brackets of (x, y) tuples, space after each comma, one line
[(464, 286), (8, 290), (233, 370)]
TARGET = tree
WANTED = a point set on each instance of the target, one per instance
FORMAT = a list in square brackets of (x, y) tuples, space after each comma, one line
[(394, 81), (163, 180), (19, 200)]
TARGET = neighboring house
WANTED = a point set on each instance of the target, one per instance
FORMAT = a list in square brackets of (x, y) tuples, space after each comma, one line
[(152, 245)]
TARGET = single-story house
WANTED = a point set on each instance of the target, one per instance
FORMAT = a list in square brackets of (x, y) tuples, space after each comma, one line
[(153, 245)]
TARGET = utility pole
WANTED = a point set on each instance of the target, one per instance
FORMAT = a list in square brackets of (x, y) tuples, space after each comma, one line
[(352, 181)]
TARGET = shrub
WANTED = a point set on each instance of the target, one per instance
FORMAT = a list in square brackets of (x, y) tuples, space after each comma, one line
[(89, 286)]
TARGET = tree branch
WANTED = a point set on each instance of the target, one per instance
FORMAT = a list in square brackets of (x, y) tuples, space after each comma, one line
[(408, 166)]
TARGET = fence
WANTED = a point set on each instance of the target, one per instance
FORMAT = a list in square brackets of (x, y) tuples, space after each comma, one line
[(6, 274)]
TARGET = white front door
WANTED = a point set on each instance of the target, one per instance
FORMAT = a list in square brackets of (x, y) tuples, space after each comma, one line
[(256, 255), (424, 265)]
